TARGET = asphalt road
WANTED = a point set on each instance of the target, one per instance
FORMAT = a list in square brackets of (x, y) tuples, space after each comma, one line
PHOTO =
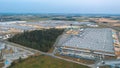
[(107, 62), (48, 54)]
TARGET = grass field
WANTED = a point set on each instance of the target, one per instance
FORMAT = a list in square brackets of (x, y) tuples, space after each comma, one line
[(46, 62), (1, 65)]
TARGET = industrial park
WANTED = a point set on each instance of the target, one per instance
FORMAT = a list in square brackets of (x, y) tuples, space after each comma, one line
[(86, 42), (59, 34)]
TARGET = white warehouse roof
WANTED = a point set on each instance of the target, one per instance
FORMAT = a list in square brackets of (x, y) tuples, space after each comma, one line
[(99, 39)]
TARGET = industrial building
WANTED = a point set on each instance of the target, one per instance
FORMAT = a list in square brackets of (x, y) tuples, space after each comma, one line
[(87, 43)]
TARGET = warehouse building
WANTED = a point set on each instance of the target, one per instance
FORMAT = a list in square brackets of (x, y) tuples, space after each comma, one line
[(88, 43)]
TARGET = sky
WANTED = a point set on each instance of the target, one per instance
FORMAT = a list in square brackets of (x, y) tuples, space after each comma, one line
[(60, 6)]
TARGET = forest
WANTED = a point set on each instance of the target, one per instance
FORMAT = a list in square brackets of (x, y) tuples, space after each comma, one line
[(42, 40)]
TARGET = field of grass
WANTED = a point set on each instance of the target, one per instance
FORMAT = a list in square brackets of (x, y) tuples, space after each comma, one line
[(46, 62), (107, 66), (1, 65)]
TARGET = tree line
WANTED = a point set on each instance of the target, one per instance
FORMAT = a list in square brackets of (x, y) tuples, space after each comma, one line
[(42, 40)]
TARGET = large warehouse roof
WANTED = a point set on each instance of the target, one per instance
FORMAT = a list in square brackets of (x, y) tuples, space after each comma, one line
[(99, 39)]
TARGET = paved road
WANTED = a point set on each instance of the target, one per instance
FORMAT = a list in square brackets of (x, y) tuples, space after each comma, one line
[(48, 54), (107, 62)]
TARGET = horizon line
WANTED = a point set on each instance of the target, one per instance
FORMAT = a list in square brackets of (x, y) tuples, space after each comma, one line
[(61, 13)]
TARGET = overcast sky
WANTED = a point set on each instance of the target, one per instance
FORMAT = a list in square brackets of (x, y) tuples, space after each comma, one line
[(60, 6)]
